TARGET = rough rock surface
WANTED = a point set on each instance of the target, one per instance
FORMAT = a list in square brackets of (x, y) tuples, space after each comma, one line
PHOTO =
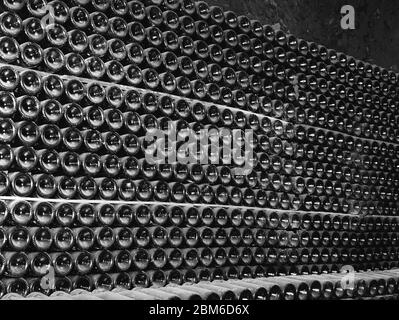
[(376, 38)]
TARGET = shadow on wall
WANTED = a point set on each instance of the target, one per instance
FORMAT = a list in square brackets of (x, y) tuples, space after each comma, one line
[(376, 38)]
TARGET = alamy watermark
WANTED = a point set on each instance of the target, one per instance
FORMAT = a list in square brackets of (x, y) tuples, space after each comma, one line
[(48, 19), (348, 278), (204, 146), (47, 282), (348, 17)]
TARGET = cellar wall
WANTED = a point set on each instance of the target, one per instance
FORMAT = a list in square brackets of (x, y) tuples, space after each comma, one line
[(375, 39)]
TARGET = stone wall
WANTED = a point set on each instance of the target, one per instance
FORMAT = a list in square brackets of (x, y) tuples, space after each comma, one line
[(376, 38)]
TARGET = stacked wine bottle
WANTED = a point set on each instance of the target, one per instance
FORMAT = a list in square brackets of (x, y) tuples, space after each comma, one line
[(83, 83)]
